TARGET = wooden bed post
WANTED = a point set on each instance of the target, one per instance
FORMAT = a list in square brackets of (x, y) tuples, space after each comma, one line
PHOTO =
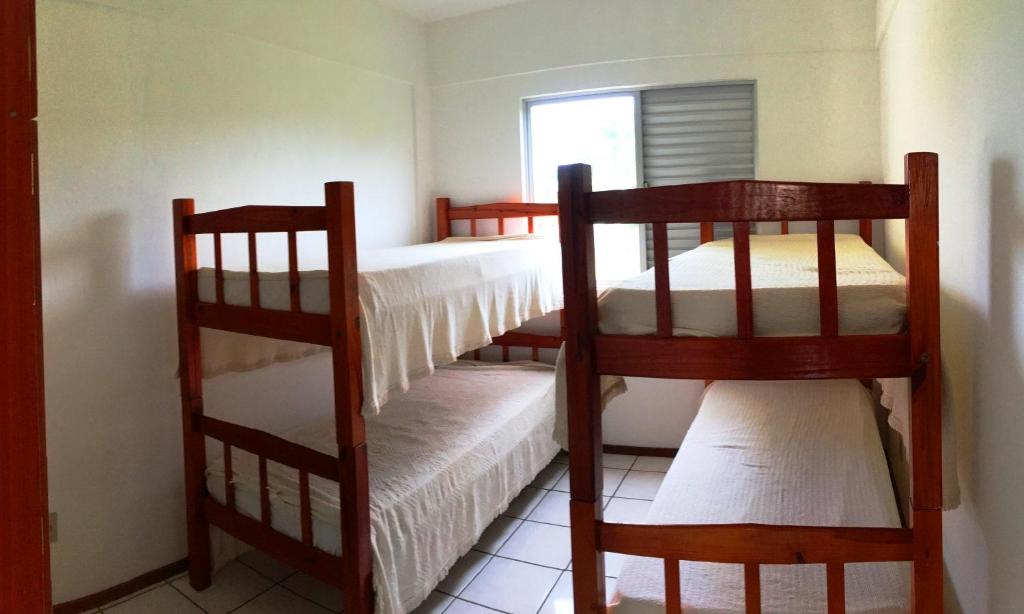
[(357, 560), (444, 229), (582, 386), (922, 179), (190, 370)]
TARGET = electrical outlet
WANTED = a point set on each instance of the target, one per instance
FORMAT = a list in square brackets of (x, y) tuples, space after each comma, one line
[(53, 527)]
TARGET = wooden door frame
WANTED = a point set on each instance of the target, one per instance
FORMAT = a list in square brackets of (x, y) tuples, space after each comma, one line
[(24, 534)]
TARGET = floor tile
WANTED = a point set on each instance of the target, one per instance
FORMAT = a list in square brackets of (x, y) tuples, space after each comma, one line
[(560, 599), (522, 505), (278, 600), (497, 533), (435, 603), (549, 476), (464, 607), (315, 590), (652, 463), (266, 565), (511, 586), (232, 586), (640, 485), (612, 478), (619, 461), (543, 544), (463, 572), (161, 600), (630, 511), (553, 508)]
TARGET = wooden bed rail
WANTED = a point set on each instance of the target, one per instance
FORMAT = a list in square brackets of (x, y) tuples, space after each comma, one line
[(446, 214), (748, 201), (758, 543), (827, 354), (753, 545)]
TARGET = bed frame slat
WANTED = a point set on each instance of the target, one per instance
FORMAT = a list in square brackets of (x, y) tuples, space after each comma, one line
[(472, 227), (828, 293), (254, 273), (501, 225), (673, 592), (229, 475), (529, 224), (662, 290), (707, 232), (264, 493), (744, 291), (752, 587), (834, 575), (293, 271), (784, 227), (305, 511), (218, 268)]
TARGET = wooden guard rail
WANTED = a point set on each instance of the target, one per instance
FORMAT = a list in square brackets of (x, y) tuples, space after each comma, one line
[(743, 202), (746, 356), (753, 545), (305, 461), (491, 211)]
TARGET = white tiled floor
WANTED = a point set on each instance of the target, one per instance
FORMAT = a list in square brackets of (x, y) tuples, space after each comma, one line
[(520, 565)]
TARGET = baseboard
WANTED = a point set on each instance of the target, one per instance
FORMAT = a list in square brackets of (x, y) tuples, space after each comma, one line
[(95, 600), (640, 451)]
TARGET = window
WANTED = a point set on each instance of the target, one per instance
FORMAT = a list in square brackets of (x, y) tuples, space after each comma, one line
[(658, 136)]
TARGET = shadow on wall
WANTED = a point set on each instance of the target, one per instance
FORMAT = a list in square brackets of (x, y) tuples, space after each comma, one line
[(982, 354), (999, 388), (103, 337)]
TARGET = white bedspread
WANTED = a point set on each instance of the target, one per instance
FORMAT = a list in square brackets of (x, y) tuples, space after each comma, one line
[(794, 453), (458, 447), (784, 277), (422, 306)]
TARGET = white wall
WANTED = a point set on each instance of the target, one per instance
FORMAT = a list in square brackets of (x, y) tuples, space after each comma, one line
[(815, 64), (951, 83), (230, 103)]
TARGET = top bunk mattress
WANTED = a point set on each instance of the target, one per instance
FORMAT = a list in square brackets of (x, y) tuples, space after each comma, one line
[(422, 306), (791, 453), (784, 275), (458, 447)]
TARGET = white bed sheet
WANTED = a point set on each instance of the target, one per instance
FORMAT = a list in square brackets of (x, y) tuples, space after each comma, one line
[(795, 453), (458, 447), (784, 277), (422, 306)]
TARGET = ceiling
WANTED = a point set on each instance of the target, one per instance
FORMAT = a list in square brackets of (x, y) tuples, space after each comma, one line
[(436, 10)]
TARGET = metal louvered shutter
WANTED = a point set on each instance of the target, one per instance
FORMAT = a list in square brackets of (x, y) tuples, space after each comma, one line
[(693, 134)]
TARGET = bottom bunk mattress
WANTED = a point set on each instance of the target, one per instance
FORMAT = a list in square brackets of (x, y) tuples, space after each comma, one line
[(789, 453), (445, 459)]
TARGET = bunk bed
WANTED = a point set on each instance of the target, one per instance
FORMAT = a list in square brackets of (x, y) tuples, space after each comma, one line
[(345, 499), (689, 530)]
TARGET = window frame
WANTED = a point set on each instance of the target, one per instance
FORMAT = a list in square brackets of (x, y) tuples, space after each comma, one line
[(529, 102)]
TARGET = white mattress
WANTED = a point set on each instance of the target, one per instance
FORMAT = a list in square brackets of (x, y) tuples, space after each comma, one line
[(784, 275), (458, 448), (422, 306), (794, 453)]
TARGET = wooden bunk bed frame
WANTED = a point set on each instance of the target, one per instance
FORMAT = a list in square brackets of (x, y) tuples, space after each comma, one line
[(352, 570), (913, 353)]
